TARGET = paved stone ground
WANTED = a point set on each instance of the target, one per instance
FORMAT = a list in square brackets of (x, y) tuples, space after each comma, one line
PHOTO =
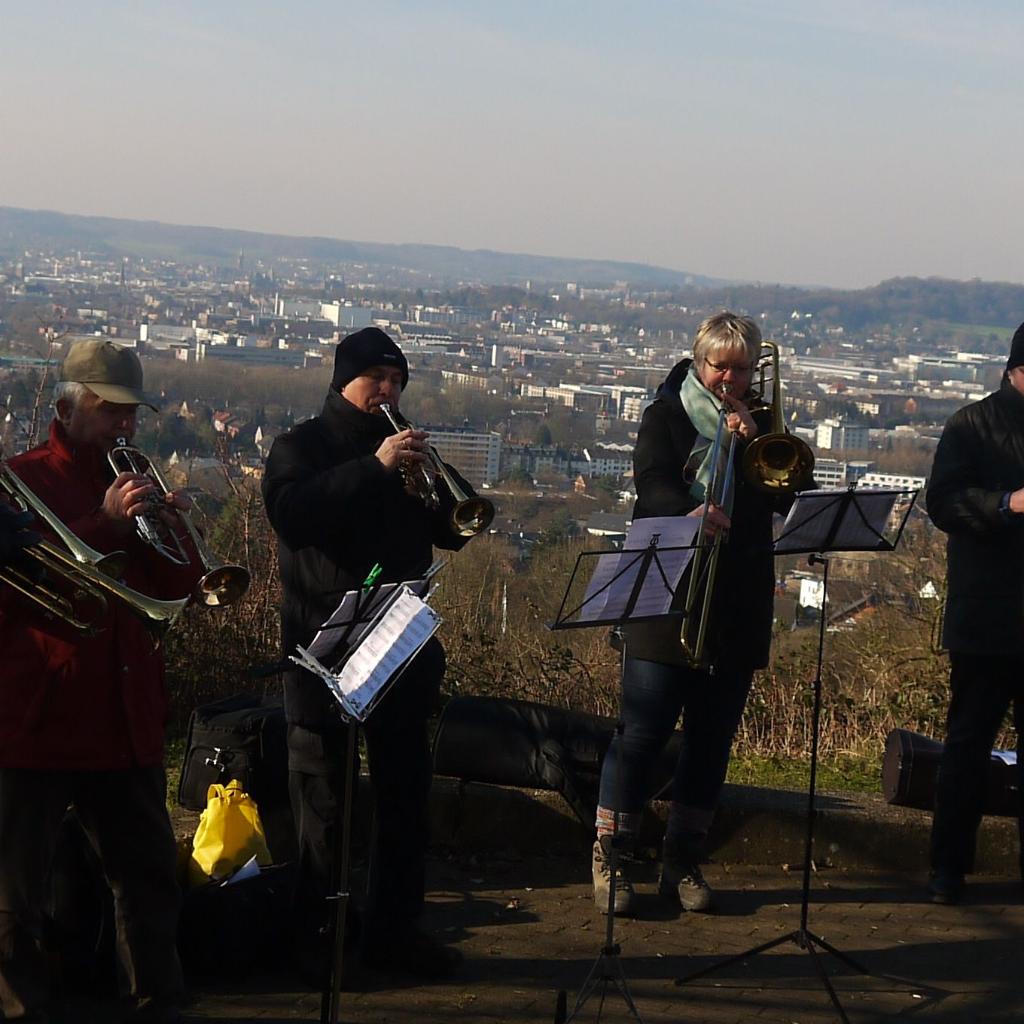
[(529, 928)]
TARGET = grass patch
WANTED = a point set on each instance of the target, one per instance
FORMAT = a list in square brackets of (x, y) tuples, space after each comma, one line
[(844, 774)]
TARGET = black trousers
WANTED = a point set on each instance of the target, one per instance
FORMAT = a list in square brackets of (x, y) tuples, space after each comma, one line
[(124, 814), (983, 688), (399, 761)]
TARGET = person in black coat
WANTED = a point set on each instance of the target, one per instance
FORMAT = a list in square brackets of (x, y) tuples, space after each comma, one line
[(976, 496), (336, 494), (16, 534), (672, 467)]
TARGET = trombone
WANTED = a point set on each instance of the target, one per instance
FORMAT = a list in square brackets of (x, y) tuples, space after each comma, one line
[(221, 584), (90, 577), (773, 463), (470, 516), (704, 564)]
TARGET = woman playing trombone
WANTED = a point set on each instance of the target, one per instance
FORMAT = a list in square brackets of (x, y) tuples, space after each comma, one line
[(701, 420)]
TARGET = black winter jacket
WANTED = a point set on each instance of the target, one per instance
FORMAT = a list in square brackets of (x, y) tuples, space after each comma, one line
[(979, 458), (743, 607), (337, 512)]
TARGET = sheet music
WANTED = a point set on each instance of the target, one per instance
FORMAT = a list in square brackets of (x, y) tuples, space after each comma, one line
[(333, 628), (387, 643), (398, 634), (809, 525), (615, 574)]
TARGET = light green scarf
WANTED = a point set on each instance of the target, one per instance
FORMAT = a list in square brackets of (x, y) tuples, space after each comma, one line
[(703, 408)]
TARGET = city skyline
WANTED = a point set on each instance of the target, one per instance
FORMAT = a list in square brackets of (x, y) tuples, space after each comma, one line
[(818, 145)]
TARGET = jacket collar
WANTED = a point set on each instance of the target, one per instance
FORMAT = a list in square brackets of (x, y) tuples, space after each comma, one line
[(1011, 400), (668, 390), (86, 458), (342, 418)]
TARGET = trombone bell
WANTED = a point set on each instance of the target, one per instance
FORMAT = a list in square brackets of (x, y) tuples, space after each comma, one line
[(778, 462)]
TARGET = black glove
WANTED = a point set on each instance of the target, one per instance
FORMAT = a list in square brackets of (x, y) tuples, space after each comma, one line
[(15, 534)]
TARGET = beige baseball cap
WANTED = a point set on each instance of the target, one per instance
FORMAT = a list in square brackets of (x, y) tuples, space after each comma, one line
[(112, 372)]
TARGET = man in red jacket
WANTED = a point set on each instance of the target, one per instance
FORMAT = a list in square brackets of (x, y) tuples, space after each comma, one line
[(82, 716)]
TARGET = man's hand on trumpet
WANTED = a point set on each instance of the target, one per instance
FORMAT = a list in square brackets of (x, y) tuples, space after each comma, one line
[(403, 448), (135, 494)]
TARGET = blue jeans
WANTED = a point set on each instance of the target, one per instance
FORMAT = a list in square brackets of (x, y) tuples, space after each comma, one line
[(653, 695)]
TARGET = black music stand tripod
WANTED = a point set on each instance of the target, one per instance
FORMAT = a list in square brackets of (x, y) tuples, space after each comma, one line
[(822, 523), (604, 607), (342, 635)]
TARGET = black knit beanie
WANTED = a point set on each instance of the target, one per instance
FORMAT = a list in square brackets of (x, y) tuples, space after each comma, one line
[(1016, 349), (357, 352)]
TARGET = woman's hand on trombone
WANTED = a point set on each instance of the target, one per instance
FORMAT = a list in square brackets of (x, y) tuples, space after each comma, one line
[(739, 420), (716, 520), (407, 446)]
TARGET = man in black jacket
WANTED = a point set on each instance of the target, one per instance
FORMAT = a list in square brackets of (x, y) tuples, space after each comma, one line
[(976, 496), (336, 496)]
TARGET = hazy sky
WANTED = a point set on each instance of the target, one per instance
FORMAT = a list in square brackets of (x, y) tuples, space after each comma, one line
[(801, 141)]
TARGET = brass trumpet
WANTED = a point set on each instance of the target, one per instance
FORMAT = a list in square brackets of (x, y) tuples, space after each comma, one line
[(470, 516), (221, 584), (89, 577)]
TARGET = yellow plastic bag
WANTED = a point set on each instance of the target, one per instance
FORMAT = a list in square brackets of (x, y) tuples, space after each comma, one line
[(230, 833)]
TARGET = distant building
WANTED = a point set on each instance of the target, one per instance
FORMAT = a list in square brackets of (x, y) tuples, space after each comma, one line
[(829, 473), (476, 456), (838, 435), (463, 379), (632, 408), (894, 481), (297, 307), (351, 318), (604, 460)]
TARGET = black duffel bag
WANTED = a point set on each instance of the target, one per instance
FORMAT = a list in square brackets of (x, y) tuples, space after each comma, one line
[(534, 746), (910, 770), (237, 927), (242, 737)]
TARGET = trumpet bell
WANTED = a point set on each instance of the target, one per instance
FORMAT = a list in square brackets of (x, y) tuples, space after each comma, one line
[(221, 586), (472, 516)]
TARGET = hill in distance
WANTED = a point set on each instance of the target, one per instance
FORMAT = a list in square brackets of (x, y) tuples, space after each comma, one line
[(442, 265)]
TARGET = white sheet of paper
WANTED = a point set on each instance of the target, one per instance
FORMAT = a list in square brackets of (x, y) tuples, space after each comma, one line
[(326, 640), (395, 637), (1006, 756), (607, 597), (250, 869)]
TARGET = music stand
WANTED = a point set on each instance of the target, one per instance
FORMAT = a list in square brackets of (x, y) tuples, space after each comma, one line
[(821, 523), (393, 622), (622, 588)]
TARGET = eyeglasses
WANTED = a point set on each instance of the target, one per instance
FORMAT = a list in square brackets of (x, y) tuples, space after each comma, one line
[(738, 368)]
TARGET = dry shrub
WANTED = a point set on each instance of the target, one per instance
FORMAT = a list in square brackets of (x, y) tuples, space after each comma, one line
[(212, 652), (496, 609), (880, 673)]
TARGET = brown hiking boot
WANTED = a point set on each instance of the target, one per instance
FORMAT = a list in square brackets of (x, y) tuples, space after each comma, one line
[(602, 873)]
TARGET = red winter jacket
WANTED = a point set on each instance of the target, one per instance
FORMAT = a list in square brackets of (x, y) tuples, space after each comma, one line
[(74, 702)]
